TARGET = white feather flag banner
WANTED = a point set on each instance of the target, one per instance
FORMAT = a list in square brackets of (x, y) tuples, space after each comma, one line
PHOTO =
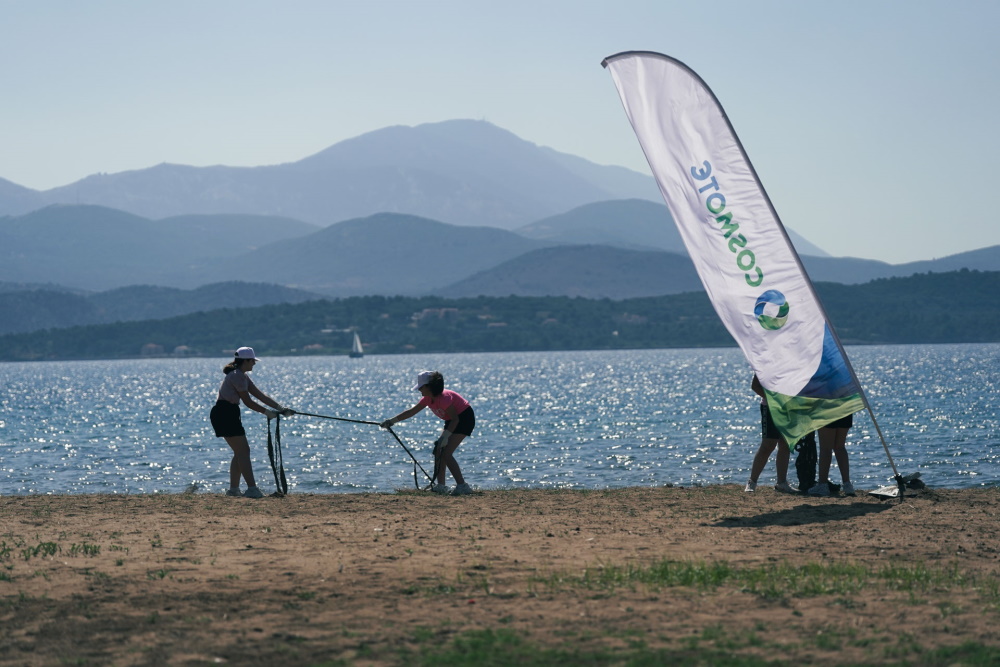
[(743, 255)]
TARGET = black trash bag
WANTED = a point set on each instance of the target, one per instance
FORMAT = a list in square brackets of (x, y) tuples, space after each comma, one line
[(805, 461)]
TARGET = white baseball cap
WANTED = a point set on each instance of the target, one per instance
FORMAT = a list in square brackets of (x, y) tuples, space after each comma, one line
[(246, 353), (422, 379)]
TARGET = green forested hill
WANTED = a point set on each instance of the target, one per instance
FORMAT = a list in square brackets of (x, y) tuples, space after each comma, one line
[(953, 307), (962, 306)]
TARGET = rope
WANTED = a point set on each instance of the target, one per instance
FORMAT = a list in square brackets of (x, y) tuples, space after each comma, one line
[(416, 463), (340, 419), (277, 461)]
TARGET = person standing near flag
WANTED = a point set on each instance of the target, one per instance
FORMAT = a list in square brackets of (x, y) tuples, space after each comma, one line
[(833, 442), (770, 438)]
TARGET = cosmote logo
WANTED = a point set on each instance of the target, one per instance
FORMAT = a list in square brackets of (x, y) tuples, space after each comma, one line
[(771, 310)]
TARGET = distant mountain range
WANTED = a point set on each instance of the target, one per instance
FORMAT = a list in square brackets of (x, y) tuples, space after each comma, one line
[(458, 209), (462, 172), (96, 248), (632, 249), (25, 308), (633, 223)]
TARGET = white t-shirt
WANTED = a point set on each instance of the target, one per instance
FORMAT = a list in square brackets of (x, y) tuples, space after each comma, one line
[(235, 382)]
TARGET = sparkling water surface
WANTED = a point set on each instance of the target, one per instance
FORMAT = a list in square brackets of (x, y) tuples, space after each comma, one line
[(544, 420)]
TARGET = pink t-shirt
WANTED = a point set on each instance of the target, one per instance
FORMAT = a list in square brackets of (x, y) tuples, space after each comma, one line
[(439, 404)]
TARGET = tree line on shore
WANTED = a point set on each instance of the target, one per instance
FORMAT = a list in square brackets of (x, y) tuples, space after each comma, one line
[(955, 307)]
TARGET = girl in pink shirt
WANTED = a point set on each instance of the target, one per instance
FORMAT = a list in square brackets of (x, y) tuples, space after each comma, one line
[(459, 421)]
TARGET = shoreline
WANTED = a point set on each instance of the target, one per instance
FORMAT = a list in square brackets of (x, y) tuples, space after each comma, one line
[(764, 486), (390, 577)]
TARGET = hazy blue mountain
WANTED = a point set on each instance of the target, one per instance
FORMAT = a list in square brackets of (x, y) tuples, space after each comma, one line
[(386, 254), (227, 235), (984, 259), (147, 302), (598, 271), (93, 248), (590, 271), (463, 172), (626, 223), (625, 183), (35, 309), (30, 287), (17, 199), (851, 270), (97, 248)]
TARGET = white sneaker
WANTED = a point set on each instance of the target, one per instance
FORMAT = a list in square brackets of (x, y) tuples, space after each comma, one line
[(785, 487), (462, 489), (233, 492), (848, 489), (253, 492), (440, 488), (821, 489), (751, 486)]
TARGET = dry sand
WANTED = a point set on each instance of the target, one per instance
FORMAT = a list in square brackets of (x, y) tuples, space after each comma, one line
[(391, 578)]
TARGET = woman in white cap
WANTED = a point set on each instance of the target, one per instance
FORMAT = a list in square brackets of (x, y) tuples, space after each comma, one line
[(459, 422), (227, 423)]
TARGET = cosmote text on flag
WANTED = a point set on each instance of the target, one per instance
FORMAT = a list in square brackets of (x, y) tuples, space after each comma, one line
[(746, 260)]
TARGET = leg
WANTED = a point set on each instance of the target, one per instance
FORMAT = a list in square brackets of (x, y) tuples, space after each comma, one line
[(760, 458), (241, 459), (827, 437), (781, 461), (234, 473), (448, 459), (822, 486), (840, 451)]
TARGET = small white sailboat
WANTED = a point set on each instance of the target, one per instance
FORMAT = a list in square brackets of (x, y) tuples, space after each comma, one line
[(356, 350)]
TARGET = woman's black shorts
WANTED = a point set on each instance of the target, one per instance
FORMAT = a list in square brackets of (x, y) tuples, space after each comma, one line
[(767, 428), (466, 421), (843, 422), (226, 420)]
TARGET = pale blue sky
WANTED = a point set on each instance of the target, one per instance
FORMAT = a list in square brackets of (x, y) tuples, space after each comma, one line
[(871, 123)]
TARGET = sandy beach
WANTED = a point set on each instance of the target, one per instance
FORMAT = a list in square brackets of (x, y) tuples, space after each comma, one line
[(666, 574)]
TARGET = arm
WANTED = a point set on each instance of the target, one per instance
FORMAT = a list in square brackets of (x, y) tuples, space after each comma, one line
[(405, 414), (263, 398), (757, 387), (252, 404)]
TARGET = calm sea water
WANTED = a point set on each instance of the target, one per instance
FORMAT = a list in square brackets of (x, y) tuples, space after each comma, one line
[(565, 419)]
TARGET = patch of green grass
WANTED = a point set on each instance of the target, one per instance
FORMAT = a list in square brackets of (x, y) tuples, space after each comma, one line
[(715, 645), (969, 654), (41, 550), (776, 581), (84, 549), (499, 648)]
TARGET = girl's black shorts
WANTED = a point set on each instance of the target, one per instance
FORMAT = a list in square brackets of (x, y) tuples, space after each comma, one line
[(767, 428), (226, 420), (466, 421)]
